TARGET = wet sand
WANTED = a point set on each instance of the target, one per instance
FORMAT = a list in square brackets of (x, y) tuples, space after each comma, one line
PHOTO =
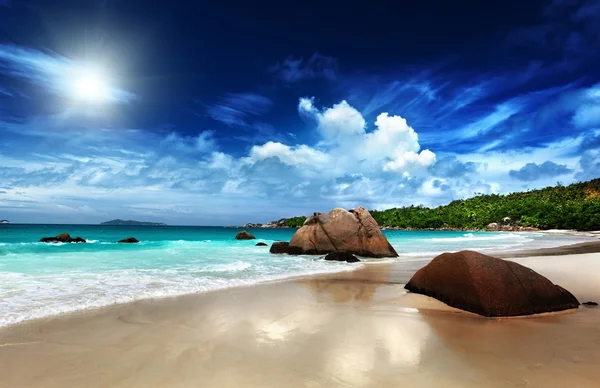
[(355, 329)]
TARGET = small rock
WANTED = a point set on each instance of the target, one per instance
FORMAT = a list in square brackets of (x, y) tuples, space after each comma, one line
[(129, 240), (78, 240), (342, 256), (261, 244), (279, 247), (243, 235), (590, 304), (493, 226)]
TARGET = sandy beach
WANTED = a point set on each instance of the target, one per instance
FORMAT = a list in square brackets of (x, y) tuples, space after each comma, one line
[(352, 329)]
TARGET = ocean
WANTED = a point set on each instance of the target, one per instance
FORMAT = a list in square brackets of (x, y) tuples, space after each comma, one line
[(38, 280)]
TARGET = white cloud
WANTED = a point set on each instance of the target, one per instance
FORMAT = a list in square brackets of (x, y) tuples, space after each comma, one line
[(392, 146), (221, 161), (411, 159), (340, 122), (292, 156)]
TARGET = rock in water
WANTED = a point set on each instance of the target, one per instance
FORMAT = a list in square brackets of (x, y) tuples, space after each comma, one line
[(64, 238), (261, 244), (129, 240), (353, 231), (279, 247), (243, 235), (342, 256), (489, 286)]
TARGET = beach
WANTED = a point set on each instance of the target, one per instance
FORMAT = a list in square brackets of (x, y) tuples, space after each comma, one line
[(348, 329)]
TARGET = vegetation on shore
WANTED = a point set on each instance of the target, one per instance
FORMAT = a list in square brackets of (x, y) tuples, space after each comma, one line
[(295, 222), (576, 206)]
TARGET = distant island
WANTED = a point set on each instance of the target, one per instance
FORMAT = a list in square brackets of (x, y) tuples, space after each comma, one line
[(576, 206), (4, 222), (132, 223)]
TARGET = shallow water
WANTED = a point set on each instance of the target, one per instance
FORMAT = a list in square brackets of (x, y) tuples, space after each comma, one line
[(38, 280)]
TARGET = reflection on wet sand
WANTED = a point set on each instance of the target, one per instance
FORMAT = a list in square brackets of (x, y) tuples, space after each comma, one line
[(357, 329), (358, 286)]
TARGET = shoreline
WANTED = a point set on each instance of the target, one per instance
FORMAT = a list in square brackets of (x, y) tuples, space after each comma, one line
[(570, 249), (352, 328), (94, 309)]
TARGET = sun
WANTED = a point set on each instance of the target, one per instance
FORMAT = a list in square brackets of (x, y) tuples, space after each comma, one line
[(90, 85)]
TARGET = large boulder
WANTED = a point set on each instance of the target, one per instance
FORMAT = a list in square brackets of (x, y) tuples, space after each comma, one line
[(243, 235), (489, 286), (62, 238), (353, 231), (341, 256)]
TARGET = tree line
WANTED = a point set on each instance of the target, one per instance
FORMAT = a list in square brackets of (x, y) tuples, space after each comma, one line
[(576, 206)]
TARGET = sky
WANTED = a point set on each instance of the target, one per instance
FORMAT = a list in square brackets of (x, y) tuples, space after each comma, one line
[(223, 113)]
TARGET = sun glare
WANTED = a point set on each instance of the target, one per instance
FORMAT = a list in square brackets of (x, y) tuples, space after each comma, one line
[(91, 86)]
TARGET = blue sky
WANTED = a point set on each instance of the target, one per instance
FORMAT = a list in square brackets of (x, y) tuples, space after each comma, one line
[(231, 113)]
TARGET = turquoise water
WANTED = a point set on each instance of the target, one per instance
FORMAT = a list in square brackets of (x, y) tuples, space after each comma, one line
[(39, 279)]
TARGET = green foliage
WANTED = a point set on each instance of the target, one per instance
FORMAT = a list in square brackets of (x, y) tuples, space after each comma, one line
[(295, 222), (562, 207)]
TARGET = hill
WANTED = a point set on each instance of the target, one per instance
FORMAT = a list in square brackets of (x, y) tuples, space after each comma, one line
[(576, 206), (132, 223)]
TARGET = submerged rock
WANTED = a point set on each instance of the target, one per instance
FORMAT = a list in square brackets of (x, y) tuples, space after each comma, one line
[(261, 244), (590, 304), (342, 256), (353, 231), (489, 286), (243, 235), (129, 240), (62, 238), (279, 247)]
